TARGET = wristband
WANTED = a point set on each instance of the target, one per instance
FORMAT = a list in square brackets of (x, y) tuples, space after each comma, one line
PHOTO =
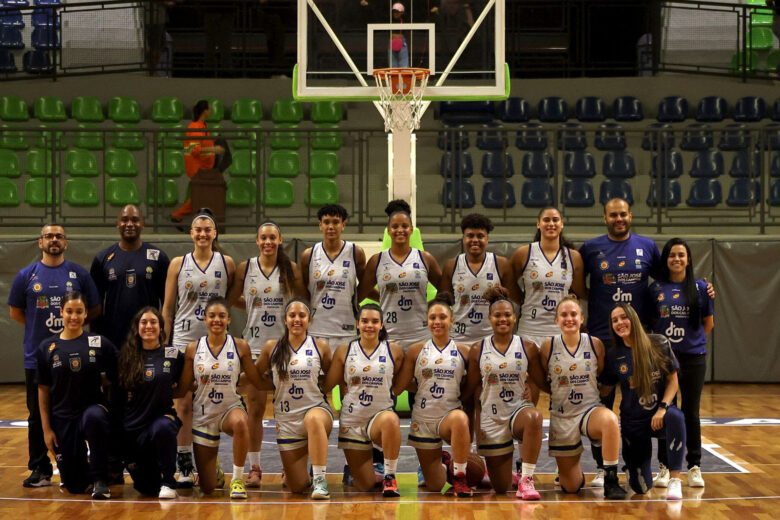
[(663, 405)]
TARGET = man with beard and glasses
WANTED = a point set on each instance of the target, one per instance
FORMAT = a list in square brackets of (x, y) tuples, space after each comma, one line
[(35, 302)]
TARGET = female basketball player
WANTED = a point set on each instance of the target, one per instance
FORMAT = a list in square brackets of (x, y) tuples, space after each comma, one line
[(472, 273), (193, 279), (73, 368), (147, 374), (499, 365), (367, 367), (684, 314), (572, 361), (303, 419), (215, 362), (436, 368), (402, 274), (646, 370), (264, 285)]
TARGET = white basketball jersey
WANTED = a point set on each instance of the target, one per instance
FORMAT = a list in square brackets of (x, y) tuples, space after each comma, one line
[(503, 378), (196, 287), (217, 379), (265, 301), (439, 374), (300, 391), (470, 312), (369, 383), (402, 296), (544, 283), (332, 285), (573, 384)]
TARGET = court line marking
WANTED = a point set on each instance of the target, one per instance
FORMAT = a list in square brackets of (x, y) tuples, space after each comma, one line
[(710, 448)]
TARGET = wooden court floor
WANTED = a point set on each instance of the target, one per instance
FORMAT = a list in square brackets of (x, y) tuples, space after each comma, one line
[(749, 440)]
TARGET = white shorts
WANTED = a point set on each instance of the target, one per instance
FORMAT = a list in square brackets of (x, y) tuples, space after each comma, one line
[(495, 437), (358, 437), (291, 433), (207, 433), (424, 432), (566, 433)]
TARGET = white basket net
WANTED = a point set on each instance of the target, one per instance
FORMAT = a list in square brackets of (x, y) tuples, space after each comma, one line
[(401, 91)]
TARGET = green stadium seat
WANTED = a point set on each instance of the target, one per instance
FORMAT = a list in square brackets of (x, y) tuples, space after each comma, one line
[(120, 163), (285, 140), (773, 60), (216, 112), (167, 110), (327, 112), (13, 108), (737, 66), (244, 164), (171, 140), (9, 165), (38, 193), (278, 193), (9, 193), (326, 139), (120, 192), (322, 192), (760, 17), (81, 193), (89, 140), (127, 139), (240, 193), (170, 163), (87, 109), (122, 109), (81, 163), (284, 163), (39, 163), (50, 109), (43, 139), (323, 164), (760, 38), (247, 110), (167, 193), (11, 139), (287, 111)]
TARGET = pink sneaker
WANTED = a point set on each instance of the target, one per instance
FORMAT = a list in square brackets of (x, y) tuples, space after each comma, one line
[(526, 489), (515, 479), (254, 477)]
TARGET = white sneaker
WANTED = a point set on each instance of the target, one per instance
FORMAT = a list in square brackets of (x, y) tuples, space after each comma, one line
[(662, 479), (167, 493), (674, 489), (598, 479), (695, 480)]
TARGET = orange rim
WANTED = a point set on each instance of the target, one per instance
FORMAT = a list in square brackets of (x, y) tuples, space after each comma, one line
[(401, 78)]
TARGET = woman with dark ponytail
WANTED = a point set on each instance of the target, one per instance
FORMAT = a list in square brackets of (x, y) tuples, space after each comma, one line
[(304, 420), (367, 367), (264, 285)]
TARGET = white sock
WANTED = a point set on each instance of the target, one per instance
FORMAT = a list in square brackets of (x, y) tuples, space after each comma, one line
[(527, 470), (254, 458), (610, 463), (390, 466), (184, 449), (459, 467), (318, 471), (238, 472)]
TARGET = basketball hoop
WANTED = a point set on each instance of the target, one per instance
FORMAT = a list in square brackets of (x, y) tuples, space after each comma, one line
[(401, 91)]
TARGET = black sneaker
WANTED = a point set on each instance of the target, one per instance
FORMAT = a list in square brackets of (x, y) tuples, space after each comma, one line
[(37, 479), (100, 491), (186, 478), (612, 489)]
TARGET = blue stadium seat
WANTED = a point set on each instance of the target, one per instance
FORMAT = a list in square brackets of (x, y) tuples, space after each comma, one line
[(696, 137), (531, 137), (712, 109), (16, 3), (571, 136), (553, 109), (537, 193), (491, 137), (610, 136), (537, 164), (45, 17), (458, 194), (774, 193), (664, 193), (744, 193), (771, 137), (774, 168), (7, 61), (734, 137), (453, 138), (627, 108), (672, 109), (11, 38), (579, 164), (590, 109), (456, 165), (618, 165), (578, 193), (48, 2), (615, 188), (513, 110), (707, 165), (658, 136), (746, 164), (466, 112), (45, 37), (498, 194), (37, 62), (668, 165), (11, 18), (497, 165), (705, 193), (750, 109)]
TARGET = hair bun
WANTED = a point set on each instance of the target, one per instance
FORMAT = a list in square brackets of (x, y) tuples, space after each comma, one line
[(397, 206)]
